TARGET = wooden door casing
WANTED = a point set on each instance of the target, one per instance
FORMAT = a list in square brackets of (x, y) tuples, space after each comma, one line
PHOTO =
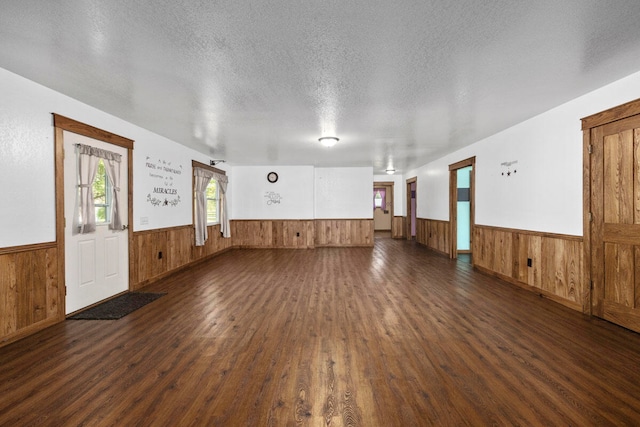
[(453, 203), (61, 124)]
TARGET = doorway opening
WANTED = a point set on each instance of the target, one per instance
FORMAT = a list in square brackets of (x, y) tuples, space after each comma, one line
[(464, 210), (93, 210), (412, 200), (383, 206), (461, 207)]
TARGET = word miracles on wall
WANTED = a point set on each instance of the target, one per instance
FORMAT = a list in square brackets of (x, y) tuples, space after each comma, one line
[(162, 173)]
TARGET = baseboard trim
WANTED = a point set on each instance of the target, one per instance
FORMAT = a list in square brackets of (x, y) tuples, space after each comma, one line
[(545, 294), (168, 273)]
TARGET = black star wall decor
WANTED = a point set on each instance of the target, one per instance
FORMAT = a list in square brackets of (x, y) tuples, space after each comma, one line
[(508, 165)]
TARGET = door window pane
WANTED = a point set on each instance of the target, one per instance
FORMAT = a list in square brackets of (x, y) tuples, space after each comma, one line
[(102, 195)]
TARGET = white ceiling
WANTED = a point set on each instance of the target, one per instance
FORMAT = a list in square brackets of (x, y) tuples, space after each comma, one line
[(258, 82)]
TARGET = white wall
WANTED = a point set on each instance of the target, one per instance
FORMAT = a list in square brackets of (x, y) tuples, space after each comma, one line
[(546, 192), (544, 195), (343, 193), (27, 169), (252, 192), (399, 192), (27, 208), (304, 192)]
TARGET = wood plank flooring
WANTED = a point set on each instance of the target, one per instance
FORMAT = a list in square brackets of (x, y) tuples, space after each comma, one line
[(394, 335)]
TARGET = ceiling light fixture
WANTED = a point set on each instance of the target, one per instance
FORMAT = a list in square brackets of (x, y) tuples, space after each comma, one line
[(328, 141), (391, 171)]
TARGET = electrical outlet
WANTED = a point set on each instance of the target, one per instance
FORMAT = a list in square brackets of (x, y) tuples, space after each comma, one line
[(529, 262), (160, 255), (298, 234)]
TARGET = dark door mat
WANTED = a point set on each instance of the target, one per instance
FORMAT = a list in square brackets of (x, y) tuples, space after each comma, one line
[(117, 307)]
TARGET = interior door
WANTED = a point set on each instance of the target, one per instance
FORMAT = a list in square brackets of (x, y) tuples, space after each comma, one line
[(382, 214), (615, 229), (96, 264), (411, 207)]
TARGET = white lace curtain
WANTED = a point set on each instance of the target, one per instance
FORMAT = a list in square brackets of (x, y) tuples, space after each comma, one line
[(202, 178), (88, 158), (223, 182)]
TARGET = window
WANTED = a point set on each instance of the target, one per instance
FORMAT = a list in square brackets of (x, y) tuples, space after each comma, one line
[(209, 201), (212, 202), (102, 194), (379, 198)]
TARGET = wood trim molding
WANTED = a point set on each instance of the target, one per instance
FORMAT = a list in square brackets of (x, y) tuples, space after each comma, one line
[(275, 219), (568, 237), (443, 221), (27, 248), (183, 267), (30, 330), (62, 123), (162, 230), (453, 202), (438, 251), (65, 123), (614, 114), (58, 141), (463, 163), (587, 304), (130, 214), (542, 292), (410, 181), (320, 219), (197, 164)]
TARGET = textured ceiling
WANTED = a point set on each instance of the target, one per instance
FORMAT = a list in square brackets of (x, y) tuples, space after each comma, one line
[(258, 82)]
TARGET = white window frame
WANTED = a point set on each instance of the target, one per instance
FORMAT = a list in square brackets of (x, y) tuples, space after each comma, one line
[(108, 195), (216, 199)]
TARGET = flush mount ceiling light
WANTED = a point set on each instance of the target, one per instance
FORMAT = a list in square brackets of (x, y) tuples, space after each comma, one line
[(328, 141), (391, 171)]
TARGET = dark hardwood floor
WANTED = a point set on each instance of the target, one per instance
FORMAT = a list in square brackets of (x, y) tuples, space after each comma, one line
[(396, 335)]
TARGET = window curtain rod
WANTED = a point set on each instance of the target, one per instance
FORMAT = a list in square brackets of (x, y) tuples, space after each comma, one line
[(98, 152)]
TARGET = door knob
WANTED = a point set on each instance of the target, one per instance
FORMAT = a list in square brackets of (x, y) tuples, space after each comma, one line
[(125, 227)]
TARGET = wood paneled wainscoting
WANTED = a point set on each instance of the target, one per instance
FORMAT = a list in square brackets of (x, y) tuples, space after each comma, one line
[(157, 253), (398, 226), (273, 233), (31, 295), (301, 234), (548, 264), (344, 232), (434, 234)]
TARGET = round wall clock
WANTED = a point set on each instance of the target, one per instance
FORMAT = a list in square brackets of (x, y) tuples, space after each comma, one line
[(272, 177)]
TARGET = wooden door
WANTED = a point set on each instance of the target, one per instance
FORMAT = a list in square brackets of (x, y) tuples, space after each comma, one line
[(615, 225)]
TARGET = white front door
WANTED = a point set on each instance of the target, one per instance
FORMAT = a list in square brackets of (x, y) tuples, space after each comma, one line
[(96, 264)]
